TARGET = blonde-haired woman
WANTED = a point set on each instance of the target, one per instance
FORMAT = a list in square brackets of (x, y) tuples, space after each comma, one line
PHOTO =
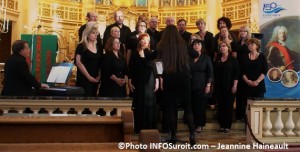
[(207, 37), (88, 61), (115, 32), (241, 95), (193, 37), (226, 79)]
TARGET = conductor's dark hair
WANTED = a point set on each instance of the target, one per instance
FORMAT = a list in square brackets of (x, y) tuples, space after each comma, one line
[(18, 45), (173, 50), (180, 20)]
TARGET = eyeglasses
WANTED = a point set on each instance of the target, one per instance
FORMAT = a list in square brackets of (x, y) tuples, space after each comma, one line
[(117, 42), (223, 45), (142, 25)]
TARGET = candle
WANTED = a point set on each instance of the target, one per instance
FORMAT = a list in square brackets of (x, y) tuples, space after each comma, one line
[(3, 27), (7, 24), (4, 17), (2, 4)]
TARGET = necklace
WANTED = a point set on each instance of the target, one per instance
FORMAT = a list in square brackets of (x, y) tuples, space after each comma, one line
[(253, 57)]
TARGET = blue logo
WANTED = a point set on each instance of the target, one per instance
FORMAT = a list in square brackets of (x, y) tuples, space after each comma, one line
[(272, 8)]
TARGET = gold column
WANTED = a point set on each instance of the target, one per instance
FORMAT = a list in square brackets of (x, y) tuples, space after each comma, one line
[(214, 11), (254, 16), (25, 20)]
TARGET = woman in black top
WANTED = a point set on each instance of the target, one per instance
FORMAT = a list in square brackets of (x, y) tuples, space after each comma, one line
[(143, 84), (132, 41), (207, 37), (226, 37), (176, 80), (224, 22), (241, 93), (202, 76), (255, 67), (88, 61), (226, 71), (114, 71)]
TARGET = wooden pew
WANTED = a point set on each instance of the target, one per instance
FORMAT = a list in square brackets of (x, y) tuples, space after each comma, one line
[(27, 128), (22, 128), (65, 128)]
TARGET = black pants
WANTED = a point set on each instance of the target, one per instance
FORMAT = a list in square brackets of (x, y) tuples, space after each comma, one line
[(241, 103), (199, 106), (175, 90), (225, 109)]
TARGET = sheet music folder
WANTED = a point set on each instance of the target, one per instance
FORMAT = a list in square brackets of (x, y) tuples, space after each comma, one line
[(57, 80), (60, 73)]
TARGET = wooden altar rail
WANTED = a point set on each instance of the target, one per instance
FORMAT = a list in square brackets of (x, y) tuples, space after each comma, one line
[(52, 104), (274, 121)]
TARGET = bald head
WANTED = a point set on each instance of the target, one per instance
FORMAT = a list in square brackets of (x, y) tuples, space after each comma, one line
[(153, 23), (170, 21), (119, 17), (91, 16)]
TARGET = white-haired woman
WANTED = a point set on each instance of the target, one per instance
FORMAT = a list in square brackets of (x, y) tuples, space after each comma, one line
[(88, 61)]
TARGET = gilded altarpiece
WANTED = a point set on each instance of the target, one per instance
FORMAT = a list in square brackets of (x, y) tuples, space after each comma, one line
[(63, 18)]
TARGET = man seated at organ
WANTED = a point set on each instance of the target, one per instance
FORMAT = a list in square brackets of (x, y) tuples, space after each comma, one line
[(17, 78)]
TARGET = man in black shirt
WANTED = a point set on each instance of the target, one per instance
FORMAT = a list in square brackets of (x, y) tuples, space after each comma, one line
[(153, 33), (124, 30), (169, 21), (17, 78), (181, 25)]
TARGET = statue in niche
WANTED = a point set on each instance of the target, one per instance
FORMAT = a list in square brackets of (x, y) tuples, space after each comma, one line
[(180, 2), (167, 3)]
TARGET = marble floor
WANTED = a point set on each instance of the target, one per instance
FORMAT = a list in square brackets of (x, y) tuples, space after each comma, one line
[(208, 140)]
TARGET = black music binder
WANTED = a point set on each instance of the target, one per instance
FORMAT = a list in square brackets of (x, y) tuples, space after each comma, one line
[(57, 80)]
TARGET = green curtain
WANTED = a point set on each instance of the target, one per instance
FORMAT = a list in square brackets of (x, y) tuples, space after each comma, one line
[(43, 54)]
